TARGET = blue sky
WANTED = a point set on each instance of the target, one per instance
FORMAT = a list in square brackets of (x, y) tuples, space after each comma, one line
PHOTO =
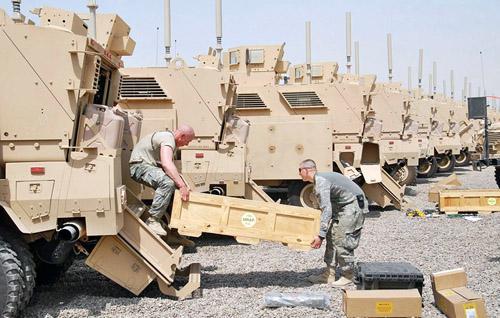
[(451, 32)]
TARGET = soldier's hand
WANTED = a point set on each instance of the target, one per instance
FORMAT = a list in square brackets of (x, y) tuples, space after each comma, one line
[(184, 193), (317, 241)]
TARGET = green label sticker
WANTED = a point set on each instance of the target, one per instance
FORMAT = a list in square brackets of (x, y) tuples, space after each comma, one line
[(248, 219), (492, 201)]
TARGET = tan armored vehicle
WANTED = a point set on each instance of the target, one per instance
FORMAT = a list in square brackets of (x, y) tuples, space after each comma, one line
[(288, 122), (332, 114), (64, 183), (448, 143)]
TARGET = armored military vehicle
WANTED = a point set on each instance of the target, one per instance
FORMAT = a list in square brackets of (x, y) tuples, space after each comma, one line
[(64, 162), (288, 122)]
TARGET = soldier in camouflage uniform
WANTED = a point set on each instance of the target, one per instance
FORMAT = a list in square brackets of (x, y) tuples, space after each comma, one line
[(343, 206), (151, 164)]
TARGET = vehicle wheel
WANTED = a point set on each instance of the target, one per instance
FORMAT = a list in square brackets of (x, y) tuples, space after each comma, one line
[(405, 175), (11, 281), (497, 176), (301, 193), (446, 163), (427, 168), (50, 273), (463, 159), (27, 263)]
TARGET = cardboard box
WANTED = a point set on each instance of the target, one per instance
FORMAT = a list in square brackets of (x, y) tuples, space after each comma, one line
[(453, 298), (383, 303), (449, 183)]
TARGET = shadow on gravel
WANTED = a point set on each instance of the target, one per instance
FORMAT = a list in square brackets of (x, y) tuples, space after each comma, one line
[(375, 211), (259, 279), (425, 180), (207, 239), (494, 259)]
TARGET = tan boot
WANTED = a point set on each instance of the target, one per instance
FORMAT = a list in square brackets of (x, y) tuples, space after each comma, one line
[(326, 277), (342, 282), (174, 238), (155, 225)]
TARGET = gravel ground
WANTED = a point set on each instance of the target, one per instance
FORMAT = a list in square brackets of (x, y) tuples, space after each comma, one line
[(236, 277)]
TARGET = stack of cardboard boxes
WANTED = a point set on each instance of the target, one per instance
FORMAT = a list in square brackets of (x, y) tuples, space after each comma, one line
[(451, 297)]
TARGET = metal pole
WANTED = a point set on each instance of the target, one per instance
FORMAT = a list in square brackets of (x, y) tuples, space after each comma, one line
[(167, 26), (452, 84), (434, 77), (469, 92), (389, 55), (420, 66), (444, 87), (464, 90), (356, 57), (409, 80), (218, 26), (92, 32), (348, 40), (308, 51), (482, 73), (430, 84)]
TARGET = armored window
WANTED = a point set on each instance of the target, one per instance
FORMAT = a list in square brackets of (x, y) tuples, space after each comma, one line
[(141, 88), (302, 99), (255, 56), (299, 72), (317, 70), (234, 57), (249, 100)]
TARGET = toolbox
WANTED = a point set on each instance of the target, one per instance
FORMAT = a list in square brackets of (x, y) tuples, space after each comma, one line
[(388, 275)]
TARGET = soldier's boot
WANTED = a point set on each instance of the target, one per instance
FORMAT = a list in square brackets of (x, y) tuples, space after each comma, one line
[(174, 238), (155, 225), (343, 281), (326, 277)]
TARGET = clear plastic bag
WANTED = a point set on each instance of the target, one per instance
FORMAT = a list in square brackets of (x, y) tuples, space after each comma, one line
[(314, 300)]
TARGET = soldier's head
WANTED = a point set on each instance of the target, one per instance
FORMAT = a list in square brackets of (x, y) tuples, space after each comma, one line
[(183, 135), (307, 170)]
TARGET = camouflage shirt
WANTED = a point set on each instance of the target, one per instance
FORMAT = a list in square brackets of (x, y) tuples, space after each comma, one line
[(334, 191), (147, 150)]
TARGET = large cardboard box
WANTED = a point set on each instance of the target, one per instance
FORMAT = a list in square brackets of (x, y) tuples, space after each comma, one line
[(383, 303), (453, 298)]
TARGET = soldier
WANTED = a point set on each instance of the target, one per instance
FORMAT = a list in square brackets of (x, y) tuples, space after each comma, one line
[(151, 164), (343, 205)]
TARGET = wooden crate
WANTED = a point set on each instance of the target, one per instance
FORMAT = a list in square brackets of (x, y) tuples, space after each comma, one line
[(477, 200), (247, 220)]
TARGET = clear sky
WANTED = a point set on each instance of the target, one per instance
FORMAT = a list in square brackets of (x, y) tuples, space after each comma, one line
[(451, 32)]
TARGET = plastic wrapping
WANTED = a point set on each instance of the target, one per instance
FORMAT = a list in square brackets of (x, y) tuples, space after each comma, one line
[(314, 300)]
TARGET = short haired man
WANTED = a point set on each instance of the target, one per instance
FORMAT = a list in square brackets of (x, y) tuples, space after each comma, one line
[(343, 205), (152, 164)]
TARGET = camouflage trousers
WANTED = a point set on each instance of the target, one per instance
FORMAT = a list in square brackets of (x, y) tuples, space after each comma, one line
[(155, 178), (343, 237)]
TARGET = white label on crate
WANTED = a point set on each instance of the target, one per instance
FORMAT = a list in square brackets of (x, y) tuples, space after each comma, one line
[(470, 313), (248, 219), (492, 201)]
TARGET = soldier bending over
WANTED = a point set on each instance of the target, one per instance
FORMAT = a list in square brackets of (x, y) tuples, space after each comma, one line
[(343, 205)]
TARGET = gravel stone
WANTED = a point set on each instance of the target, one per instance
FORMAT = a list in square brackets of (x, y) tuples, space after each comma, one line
[(236, 277)]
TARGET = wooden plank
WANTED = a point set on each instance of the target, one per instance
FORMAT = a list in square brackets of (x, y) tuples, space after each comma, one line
[(247, 220), (466, 201)]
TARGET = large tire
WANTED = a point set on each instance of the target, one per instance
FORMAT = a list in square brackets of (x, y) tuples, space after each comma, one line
[(301, 193), (463, 159), (446, 163), (11, 281), (27, 263), (497, 176), (48, 274), (405, 175), (427, 168)]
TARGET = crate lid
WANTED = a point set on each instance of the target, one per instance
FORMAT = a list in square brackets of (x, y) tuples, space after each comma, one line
[(388, 271)]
